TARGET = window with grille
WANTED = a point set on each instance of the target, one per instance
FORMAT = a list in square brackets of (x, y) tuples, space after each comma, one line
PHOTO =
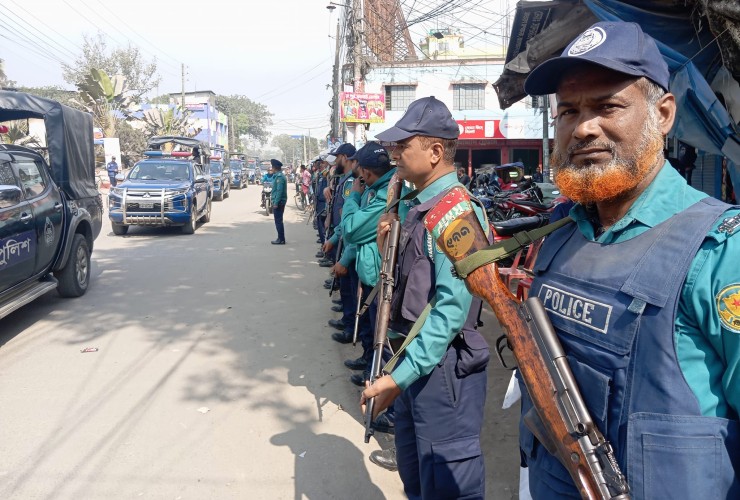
[(398, 97), (468, 96)]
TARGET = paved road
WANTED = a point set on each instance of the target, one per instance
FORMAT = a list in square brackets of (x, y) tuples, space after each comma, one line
[(215, 376)]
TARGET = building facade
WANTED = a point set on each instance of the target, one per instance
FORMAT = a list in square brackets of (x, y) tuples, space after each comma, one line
[(488, 135), (213, 124)]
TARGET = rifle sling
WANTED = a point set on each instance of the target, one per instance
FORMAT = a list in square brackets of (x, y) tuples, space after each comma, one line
[(388, 368), (505, 248), (369, 299)]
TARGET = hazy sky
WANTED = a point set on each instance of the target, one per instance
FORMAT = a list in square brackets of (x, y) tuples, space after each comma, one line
[(277, 52)]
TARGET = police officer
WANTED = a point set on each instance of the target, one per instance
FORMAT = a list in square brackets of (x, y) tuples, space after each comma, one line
[(344, 267), (362, 211), (322, 172), (644, 289), (279, 197), (112, 168), (439, 383)]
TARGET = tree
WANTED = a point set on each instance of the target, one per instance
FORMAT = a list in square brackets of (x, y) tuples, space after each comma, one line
[(291, 148), (105, 98), (4, 81), (141, 76), (133, 142), (53, 92), (18, 134), (246, 117), (169, 121)]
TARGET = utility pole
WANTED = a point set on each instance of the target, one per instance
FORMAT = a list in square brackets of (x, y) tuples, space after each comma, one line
[(335, 90), (545, 139), (304, 149), (359, 85), (182, 99)]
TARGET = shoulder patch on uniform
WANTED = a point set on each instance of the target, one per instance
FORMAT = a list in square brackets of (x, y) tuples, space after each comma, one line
[(728, 307), (347, 189), (729, 225)]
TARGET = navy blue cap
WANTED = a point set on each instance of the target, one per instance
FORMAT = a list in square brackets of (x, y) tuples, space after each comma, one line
[(426, 116), (372, 155), (276, 163), (619, 46), (345, 149)]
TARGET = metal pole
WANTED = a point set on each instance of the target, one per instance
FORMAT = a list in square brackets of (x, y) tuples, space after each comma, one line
[(335, 90), (182, 100), (359, 85)]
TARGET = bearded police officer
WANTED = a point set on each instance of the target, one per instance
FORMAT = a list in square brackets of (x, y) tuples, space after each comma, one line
[(439, 383), (644, 289)]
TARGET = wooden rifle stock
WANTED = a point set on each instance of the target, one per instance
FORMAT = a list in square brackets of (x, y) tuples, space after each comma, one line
[(458, 233), (387, 283)]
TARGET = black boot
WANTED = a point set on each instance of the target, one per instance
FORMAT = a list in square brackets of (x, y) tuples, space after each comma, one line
[(385, 459)]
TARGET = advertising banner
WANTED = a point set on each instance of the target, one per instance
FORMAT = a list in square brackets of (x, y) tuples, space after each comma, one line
[(361, 108), (480, 129)]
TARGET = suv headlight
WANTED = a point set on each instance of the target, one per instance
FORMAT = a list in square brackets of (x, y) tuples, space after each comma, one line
[(178, 191), (116, 191)]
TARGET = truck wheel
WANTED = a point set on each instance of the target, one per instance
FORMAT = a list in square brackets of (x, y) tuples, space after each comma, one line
[(74, 277), (207, 216), (189, 228), (119, 229)]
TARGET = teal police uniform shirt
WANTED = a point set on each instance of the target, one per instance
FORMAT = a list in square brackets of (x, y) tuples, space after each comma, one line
[(360, 226), (450, 310), (279, 193), (707, 327), (349, 251)]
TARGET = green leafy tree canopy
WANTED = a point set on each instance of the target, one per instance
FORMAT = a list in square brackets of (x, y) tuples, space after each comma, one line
[(248, 118), (141, 76)]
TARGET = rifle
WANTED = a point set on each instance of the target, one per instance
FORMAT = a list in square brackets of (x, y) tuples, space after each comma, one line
[(357, 314), (334, 276), (559, 417), (387, 282)]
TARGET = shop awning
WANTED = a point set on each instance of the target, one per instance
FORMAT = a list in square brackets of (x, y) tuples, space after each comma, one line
[(699, 39)]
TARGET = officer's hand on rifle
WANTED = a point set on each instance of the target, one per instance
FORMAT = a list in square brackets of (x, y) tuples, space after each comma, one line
[(327, 194), (384, 390), (327, 247), (384, 226), (339, 270)]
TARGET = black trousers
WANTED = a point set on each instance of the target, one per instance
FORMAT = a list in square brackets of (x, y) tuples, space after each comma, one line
[(278, 211)]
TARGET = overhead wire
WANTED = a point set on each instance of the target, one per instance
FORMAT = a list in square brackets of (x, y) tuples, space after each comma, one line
[(35, 18), (60, 46), (29, 44), (176, 65)]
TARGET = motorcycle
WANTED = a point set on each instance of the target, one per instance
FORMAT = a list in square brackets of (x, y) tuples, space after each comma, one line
[(523, 202), (266, 197)]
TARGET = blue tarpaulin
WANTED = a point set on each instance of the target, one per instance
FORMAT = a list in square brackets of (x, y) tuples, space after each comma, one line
[(693, 59), (695, 54)]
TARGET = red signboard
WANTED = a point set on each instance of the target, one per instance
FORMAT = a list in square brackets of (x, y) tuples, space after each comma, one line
[(480, 129), (361, 108)]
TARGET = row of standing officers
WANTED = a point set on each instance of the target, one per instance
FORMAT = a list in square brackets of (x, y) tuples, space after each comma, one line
[(652, 260)]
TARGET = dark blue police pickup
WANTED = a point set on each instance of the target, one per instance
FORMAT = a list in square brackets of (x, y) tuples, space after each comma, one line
[(165, 189)]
